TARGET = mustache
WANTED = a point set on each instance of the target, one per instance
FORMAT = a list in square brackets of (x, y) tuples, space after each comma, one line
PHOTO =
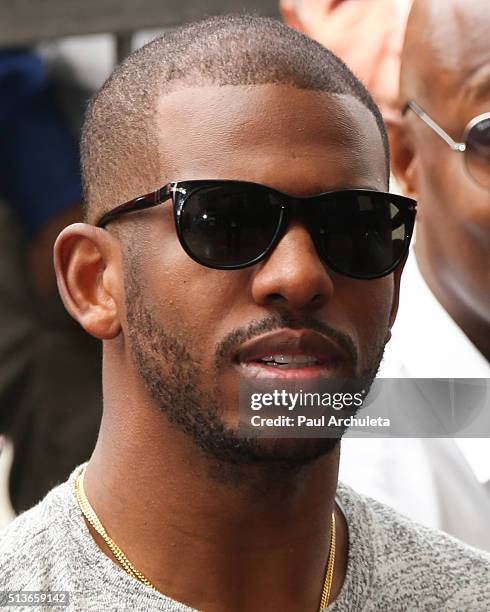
[(232, 342)]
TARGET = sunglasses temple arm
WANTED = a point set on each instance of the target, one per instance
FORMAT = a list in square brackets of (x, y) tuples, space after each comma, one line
[(147, 201)]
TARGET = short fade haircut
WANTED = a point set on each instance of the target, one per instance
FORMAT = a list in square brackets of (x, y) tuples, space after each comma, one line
[(119, 145)]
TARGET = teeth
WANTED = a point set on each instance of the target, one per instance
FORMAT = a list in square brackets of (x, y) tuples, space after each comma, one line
[(290, 359)]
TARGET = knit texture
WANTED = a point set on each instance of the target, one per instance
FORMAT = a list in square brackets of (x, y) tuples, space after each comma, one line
[(393, 564)]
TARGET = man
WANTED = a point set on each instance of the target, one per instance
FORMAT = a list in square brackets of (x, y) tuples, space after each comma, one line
[(453, 63), (211, 280), (367, 36), (445, 293)]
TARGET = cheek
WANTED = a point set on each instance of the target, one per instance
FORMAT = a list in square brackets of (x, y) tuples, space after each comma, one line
[(455, 211), (452, 210), (368, 310), (193, 302), (448, 195)]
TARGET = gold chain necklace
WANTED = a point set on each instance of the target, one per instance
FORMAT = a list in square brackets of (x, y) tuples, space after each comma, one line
[(89, 513)]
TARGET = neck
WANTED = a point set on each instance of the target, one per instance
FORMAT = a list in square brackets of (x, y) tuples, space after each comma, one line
[(476, 328), (214, 536)]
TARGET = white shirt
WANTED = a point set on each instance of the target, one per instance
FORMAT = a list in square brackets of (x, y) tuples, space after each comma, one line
[(443, 483)]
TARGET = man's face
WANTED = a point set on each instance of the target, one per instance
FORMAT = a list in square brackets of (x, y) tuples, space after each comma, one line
[(453, 231), (191, 328), (367, 35)]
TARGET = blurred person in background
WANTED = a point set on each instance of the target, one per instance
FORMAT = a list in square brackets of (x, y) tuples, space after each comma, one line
[(50, 396), (443, 325), (367, 35)]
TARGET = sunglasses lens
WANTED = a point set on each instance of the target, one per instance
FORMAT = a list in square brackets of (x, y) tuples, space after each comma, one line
[(478, 152), (363, 235), (228, 226)]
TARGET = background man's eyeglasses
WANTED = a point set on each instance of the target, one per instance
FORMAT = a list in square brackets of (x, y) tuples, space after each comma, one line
[(475, 142), (228, 225)]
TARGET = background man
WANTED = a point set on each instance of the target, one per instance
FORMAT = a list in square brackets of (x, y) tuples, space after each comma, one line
[(187, 507), (443, 325)]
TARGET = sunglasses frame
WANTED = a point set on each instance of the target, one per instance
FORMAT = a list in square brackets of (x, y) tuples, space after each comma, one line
[(459, 147), (291, 206)]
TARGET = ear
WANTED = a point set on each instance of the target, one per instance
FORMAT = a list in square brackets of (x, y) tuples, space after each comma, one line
[(289, 14), (88, 267), (403, 157)]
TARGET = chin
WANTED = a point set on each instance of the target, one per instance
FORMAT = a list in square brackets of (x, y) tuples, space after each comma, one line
[(285, 452)]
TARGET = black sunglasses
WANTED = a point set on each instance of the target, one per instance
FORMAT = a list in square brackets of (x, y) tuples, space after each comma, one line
[(228, 225)]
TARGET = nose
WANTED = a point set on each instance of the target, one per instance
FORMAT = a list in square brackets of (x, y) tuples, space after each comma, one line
[(293, 276)]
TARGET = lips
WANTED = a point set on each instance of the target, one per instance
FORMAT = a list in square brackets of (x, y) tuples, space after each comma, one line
[(290, 354)]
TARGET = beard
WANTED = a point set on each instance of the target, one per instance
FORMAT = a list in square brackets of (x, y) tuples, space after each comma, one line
[(174, 379)]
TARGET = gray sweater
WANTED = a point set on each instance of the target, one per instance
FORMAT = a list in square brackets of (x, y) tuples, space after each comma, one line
[(393, 564)]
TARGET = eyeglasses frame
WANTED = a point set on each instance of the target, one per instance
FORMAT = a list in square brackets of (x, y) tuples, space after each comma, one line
[(460, 147), (180, 191)]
